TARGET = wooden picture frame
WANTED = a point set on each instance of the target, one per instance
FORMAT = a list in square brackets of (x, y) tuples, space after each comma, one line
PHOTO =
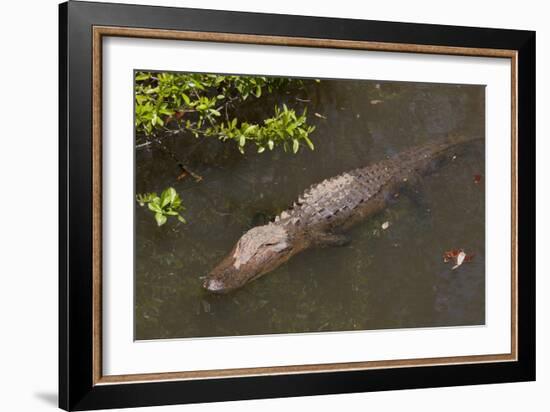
[(83, 26)]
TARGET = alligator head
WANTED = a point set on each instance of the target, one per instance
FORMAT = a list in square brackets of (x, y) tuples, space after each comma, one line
[(258, 251)]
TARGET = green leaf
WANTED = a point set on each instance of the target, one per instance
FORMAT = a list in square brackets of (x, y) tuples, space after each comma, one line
[(261, 149), (167, 197), (160, 218), (166, 111), (142, 76), (154, 207), (140, 98), (271, 144), (242, 140), (295, 145), (291, 128), (186, 99), (309, 143), (173, 195), (215, 112), (181, 219), (250, 128), (176, 204)]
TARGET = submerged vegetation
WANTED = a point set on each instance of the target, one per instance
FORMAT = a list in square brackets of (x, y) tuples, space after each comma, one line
[(208, 106)]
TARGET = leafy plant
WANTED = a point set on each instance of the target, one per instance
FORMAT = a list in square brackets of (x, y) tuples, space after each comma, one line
[(285, 128), (204, 105), (167, 204)]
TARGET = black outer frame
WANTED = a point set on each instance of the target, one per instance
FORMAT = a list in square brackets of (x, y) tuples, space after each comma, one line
[(76, 389)]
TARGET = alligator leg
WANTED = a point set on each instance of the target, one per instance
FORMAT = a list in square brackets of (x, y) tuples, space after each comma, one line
[(418, 200), (412, 187)]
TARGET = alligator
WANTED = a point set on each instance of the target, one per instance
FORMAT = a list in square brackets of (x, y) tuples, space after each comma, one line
[(323, 213)]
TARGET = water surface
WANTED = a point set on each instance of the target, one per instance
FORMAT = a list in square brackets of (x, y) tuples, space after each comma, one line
[(393, 278)]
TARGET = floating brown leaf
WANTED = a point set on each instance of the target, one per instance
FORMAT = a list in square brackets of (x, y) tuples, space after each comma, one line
[(457, 257)]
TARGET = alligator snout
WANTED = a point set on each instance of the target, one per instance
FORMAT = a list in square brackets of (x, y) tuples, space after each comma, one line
[(214, 286), (258, 251), (225, 277)]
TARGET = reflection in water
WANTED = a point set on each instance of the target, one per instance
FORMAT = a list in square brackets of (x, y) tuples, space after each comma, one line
[(392, 278)]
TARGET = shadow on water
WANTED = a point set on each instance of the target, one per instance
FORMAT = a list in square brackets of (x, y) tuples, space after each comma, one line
[(392, 278)]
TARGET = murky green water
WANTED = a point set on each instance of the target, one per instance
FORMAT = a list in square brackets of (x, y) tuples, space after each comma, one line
[(393, 278)]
